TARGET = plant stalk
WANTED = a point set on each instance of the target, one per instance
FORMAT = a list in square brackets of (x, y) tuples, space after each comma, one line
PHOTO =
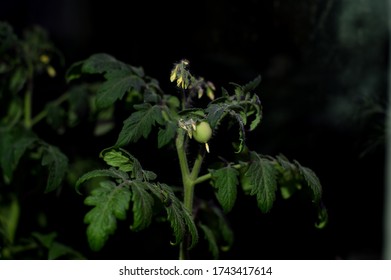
[(188, 181), (28, 96)]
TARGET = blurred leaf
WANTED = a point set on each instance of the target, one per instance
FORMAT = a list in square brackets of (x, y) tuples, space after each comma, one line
[(323, 217), (13, 144), (56, 116), (58, 250), (211, 239), (45, 239), (9, 218), (57, 164), (18, 80)]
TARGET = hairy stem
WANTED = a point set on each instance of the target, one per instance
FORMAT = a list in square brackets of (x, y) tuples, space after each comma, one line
[(188, 181)]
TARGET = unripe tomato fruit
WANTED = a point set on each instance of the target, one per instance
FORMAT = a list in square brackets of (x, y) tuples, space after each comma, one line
[(203, 132)]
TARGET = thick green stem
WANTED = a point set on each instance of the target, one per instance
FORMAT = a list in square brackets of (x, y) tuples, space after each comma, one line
[(180, 146), (188, 180)]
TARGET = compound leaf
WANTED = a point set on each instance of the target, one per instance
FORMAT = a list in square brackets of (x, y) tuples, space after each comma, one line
[(142, 205), (117, 174), (216, 112), (98, 63), (261, 176), (116, 85), (110, 203), (139, 124), (179, 217)]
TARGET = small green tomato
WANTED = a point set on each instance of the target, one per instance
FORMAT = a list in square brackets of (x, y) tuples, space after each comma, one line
[(202, 133)]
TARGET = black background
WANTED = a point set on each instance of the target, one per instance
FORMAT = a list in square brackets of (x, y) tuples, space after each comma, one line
[(323, 64)]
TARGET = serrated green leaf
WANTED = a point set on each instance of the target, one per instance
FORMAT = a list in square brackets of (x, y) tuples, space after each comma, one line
[(175, 216), (216, 112), (312, 181), (110, 203), (252, 84), (261, 175), (284, 162), (118, 159), (142, 205), (113, 173), (13, 144), (225, 181), (211, 239), (167, 134), (191, 227), (57, 164), (180, 219), (100, 63), (139, 124), (116, 85), (149, 175), (195, 113), (123, 160), (258, 117)]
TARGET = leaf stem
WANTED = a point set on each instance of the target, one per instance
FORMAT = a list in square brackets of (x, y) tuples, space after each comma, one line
[(208, 176), (28, 96), (41, 115)]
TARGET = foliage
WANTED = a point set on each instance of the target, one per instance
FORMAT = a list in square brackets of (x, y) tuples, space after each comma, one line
[(176, 118), (120, 190)]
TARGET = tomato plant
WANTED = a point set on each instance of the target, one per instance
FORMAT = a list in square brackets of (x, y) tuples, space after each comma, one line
[(117, 186)]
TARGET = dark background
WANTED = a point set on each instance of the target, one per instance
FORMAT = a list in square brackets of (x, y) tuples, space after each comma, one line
[(324, 82)]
